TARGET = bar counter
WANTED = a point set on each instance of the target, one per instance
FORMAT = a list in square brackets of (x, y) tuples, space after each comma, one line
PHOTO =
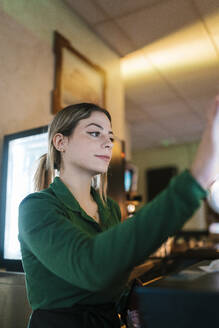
[(186, 299)]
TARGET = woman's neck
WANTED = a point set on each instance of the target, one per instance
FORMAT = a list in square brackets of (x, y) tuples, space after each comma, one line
[(78, 184)]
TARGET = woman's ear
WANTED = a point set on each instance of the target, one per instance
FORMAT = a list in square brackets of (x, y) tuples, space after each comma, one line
[(59, 142)]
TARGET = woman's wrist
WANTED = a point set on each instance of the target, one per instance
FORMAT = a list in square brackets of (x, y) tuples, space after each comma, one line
[(199, 177)]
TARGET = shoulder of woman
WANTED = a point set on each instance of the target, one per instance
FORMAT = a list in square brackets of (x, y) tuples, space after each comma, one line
[(43, 196), (39, 208)]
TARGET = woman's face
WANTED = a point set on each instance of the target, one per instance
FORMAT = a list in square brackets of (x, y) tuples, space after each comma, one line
[(89, 148)]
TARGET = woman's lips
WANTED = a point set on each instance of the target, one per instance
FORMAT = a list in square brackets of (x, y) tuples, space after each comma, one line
[(105, 158)]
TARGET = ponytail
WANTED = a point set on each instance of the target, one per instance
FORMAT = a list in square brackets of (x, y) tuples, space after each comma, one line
[(99, 182), (43, 176), (103, 187)]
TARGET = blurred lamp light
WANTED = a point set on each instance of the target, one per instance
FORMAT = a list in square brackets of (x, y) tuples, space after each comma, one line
[(131, 208)]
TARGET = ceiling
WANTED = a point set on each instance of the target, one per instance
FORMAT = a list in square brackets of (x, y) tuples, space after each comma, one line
[(170, 62)]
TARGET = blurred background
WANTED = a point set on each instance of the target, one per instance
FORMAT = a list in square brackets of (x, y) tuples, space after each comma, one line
[(154, 64)]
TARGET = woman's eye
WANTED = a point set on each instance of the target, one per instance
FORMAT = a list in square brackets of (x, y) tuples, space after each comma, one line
[(94, 134), (112, 140)]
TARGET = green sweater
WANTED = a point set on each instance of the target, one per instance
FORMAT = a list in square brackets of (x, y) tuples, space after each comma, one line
[(69, 258)]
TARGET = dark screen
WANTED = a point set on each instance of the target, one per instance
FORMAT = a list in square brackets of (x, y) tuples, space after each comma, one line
[(158, 179)]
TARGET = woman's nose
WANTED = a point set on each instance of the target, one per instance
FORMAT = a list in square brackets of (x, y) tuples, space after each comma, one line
[(108, 143)]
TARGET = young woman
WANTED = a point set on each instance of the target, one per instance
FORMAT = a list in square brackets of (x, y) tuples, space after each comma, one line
[(76, 254)]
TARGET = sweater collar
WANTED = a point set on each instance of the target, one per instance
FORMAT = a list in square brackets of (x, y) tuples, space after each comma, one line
[(67, 198), (64, 195)]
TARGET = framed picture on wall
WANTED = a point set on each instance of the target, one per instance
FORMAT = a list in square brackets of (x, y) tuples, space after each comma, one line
[(77, 79)]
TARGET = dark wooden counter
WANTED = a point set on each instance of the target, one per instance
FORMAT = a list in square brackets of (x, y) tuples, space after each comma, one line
[(192, 278), (187, 299)]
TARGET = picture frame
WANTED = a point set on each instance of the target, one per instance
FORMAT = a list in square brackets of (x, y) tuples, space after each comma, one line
[(77, 79)]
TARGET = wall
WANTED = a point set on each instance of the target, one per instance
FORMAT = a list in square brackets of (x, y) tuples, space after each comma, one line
[(27, 63), (180, 156)]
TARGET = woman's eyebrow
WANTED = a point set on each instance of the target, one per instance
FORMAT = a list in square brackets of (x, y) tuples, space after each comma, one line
[(99, 126)]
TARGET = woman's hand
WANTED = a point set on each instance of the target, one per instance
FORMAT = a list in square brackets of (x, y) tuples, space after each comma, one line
[(205, 167)]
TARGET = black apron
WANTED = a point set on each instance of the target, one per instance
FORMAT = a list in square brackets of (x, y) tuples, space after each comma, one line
[(78, 316)]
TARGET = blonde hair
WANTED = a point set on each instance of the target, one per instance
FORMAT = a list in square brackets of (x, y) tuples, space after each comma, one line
[(65, 122)]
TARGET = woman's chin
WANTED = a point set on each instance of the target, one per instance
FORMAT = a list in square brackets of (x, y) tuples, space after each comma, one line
[(100, 171)]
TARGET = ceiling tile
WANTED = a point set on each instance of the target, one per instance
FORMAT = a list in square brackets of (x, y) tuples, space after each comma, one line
[(115, 8), (151, 93), (190, 123), (207, 7), (163, 111), (135, 113), (190, 46), (210, 12), (188, 62), (154, 23), (87, 9), (196, 81), (143, 143), (113, 35), (202, 103), (151, 130), (148, 135)]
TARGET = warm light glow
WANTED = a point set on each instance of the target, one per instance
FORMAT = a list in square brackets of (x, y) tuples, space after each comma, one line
[(196, 52), (187, 47), (135, 64)]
